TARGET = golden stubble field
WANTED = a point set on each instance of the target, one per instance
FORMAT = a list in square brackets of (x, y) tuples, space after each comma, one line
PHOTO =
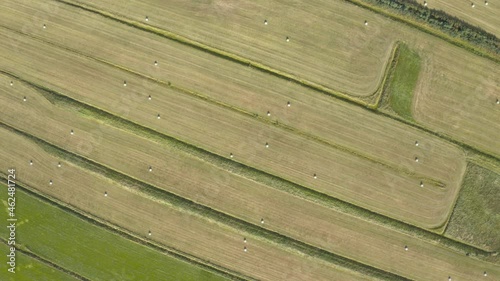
[(210, 186)]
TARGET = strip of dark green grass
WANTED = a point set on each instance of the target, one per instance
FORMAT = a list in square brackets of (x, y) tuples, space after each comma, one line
[(30, 266), (476, 216), (254, 174), (404, 79), (41, 211)]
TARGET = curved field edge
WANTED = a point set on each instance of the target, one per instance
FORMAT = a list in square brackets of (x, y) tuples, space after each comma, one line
[(256, 116), (206, 212), (384, 11), (257, 175), (369, 101), (127, 238), (476, 215), (34, 267), (398, 95)]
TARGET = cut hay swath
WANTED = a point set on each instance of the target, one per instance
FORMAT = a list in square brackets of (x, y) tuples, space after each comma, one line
[(231, 194), (249, 91), (174, 228), (292, 156)]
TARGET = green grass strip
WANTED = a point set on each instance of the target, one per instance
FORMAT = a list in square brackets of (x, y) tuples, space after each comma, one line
[(78, 243), (404, 79), (32, 267)]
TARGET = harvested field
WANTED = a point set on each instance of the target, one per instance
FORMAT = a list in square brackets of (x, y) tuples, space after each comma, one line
[(171, 227), (460, 101), (185, 118), (242, 198), (482, 15), (41, 232), (475, 219)]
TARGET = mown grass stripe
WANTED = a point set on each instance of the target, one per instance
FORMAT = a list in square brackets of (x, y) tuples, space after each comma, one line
[(99, 222), (256, 174), (255, 116), (44, 260), (223, 54), (205, 211)]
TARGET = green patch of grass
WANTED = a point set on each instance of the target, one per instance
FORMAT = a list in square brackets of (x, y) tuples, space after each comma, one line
[(476, 217), (404, 79), (28, 268), (89, 250)]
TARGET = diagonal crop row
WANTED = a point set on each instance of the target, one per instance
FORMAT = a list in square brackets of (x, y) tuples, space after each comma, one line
[(255, 174), (373, 107), (207, 212), (244, 112), (99, 222), (45, 261)]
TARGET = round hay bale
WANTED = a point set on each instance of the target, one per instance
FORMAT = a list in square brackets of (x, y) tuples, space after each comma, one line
[(105, 194), (473, 5), (262, 221), (24, 99), (31, 162), (150, 169), (421, 184), (406, 248), (146, 18), (245, 249), (425, 4), (156, 63), (51, 182), (486, 3), (416, 159), (59, 165), (149, 97), (485, 274), (268, 113), (11, 83), (267, 145), (288, 104), (149, 233), (72, 132), (158, 116), (416, 143), (265, 22), (124, 83), (44, 26), (315, 176), (287, 39), (244, 239), (231, 155), (366, 22), (498, 101)]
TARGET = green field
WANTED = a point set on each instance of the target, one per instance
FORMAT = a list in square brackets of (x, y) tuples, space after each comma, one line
[(476, 217), (88, 250), (403, 81), (28, 268)]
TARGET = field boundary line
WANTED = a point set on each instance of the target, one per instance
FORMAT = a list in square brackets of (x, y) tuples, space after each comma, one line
[(256, 175), (330, 92), (46, 261), (255, 116), (205, 212), (423, 28), (129, 235), (351, 98)]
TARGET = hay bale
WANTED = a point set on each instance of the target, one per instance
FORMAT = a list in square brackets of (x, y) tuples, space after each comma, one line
[(287, 39), (416, 159), (416, 143), (231, 155), (150, 169), (473, 5), (124, 83), (24, 99), (244, 239), (149, 97), (72, 132), (265, 22), (267, 145), (156, 63), (158, 116), (262, 221), (105, 194), (59, 165), (315, 176), (44, 26), (421, 184), (146, 18), (31, 162), (366, 22), (268, 113), (406, 248), (11, 83), (149, 233), (51, 182), (288, 104)]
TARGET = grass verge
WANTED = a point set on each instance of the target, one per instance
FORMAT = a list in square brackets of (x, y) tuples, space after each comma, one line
[(92, 251), (399, 91), (476, 216)]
